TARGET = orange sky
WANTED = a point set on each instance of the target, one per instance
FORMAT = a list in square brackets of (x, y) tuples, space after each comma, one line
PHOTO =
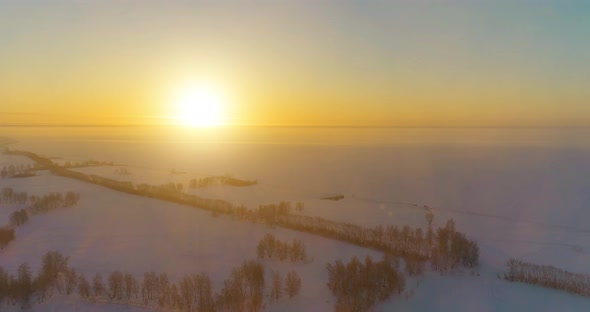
[(378, 63)]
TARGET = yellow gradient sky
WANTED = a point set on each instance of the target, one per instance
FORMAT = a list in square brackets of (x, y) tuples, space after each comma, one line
[(323, 63)]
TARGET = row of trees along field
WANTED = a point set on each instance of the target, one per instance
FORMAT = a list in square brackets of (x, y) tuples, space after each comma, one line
[(36, 205), (43, 204), (19, 171), (359, 285), (547, 276), (269, 247), (220, 180), (9, 196), (446, 247), (87, 163), (244, 290)]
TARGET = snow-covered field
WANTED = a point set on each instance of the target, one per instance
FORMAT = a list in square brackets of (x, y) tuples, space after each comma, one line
[(519, 195)]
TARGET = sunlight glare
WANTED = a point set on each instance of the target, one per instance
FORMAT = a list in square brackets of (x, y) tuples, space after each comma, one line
[(200, 107)]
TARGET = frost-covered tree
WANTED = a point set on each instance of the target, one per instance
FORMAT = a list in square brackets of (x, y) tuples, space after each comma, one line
[(83, 287), (292, 284), (276, 290), (98, 286)]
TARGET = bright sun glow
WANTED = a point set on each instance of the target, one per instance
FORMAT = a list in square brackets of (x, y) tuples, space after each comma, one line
[(200, 107)]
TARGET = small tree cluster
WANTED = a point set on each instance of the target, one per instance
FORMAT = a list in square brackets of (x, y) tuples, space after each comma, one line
[(547, 276), (17, 289), (46, 203), (193, 292), (359, 285), (453, 249), (19, 217), (54, 274), (414, 266), (6, 236), (244, 290), (11, 197), (292, 284), (270, 247)]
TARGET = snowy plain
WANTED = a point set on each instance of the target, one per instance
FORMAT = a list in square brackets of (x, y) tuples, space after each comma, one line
[(519, 193)]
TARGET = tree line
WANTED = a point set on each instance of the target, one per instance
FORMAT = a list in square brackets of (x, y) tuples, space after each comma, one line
[(359, 285), (547, 276), (220, 180), (43, 204), (244, 290), (87, 163), (19, 171), (446, 247), (269, 247), (9, 196), (36, 205)]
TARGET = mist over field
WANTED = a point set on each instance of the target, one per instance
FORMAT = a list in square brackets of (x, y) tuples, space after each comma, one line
[(519, 193)]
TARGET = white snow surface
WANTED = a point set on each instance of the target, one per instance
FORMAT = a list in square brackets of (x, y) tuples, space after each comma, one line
[(519, 194)]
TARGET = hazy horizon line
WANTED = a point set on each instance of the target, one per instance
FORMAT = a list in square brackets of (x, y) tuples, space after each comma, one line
[(288, 126)]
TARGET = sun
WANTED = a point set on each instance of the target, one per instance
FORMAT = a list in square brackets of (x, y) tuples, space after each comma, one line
[(200, 106)]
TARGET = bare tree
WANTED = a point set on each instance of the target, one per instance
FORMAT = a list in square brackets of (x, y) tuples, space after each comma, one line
[(83, 286), (276, 290), (98, 286), (187, 292), (292, 284), (116, 285)]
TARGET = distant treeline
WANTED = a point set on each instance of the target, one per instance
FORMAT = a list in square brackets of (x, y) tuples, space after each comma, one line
[(28, 170), (220, 180), (244, 290), (334, 198), (87, 163), (547, 276), (445, 247), (164, 192), (359, 285)]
